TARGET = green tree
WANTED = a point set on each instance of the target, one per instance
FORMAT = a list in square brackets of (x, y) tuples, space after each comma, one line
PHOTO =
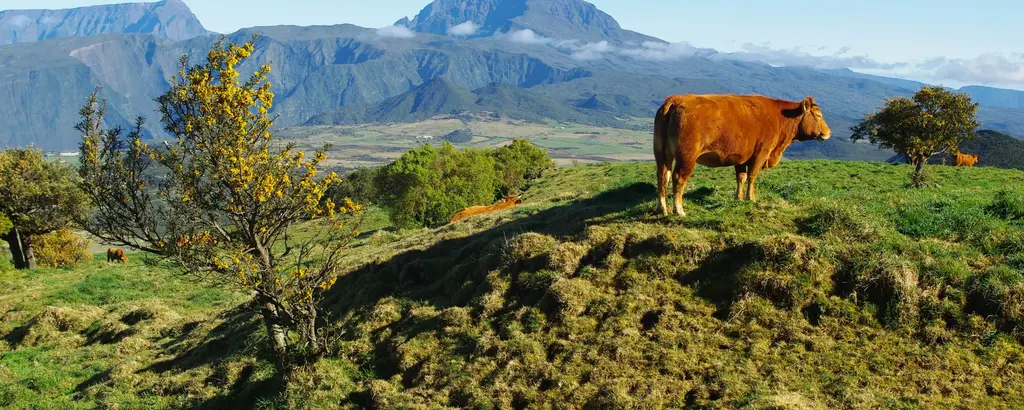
[(520, 162), (459, 136), (357, 185), (5, 224), (38, 197), (427, 185), (935, 120), (222, 200)]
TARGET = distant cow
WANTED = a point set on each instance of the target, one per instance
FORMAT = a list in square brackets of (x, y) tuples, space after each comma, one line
[(967, 160), (748, 132), (116, 254), (507, 202)]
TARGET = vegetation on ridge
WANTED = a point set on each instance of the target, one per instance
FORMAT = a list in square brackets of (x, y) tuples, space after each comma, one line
[(839, 288), (221, 203), (935, 120)]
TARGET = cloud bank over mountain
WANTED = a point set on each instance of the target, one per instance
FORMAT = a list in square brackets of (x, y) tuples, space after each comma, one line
[(994, 69)]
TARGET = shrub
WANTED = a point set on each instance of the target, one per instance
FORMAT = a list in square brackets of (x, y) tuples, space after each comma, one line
[(520, 162), (427, 185), (61, 249), (459, 137), (357, 185)]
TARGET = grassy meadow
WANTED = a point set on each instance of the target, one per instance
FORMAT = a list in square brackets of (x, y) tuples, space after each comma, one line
[(839, 288), (362, 145)]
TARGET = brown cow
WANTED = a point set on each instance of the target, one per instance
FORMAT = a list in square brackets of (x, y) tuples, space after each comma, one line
[(116, 254), (748, 132), (506, 202), (967, 160)]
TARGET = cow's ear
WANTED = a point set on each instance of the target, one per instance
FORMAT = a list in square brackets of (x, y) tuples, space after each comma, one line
[(807, 103)]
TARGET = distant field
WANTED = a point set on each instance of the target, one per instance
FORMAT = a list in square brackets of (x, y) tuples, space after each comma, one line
[(376, 144)]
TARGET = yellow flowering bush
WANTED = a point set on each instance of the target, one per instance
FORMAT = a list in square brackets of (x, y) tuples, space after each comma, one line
[(61, 249), (228, 196)]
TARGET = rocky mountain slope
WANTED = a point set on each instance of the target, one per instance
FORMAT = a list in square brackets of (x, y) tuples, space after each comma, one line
[(564, 52), (170, 19)]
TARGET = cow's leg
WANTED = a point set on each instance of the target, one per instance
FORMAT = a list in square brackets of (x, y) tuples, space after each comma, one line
[(664, 174), (752, 179), (741, 178), (683, 170)]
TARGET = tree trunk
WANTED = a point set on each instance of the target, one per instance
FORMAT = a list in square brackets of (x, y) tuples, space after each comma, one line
[(276, 334), (18, 249), (917, 179), (30, 257)]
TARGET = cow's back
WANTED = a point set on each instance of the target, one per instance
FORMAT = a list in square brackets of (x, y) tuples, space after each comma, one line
[(725, 128)]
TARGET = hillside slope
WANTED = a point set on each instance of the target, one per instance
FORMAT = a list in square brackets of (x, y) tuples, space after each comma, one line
[(994, 149), (838, 289)]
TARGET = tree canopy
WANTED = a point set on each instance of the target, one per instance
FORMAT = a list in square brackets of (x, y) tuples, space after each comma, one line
[(38, 197), (221, 201), (934, 120)]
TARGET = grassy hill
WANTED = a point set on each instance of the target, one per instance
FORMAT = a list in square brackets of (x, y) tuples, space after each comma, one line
[(840, 288), (994, 149), (998, 150)]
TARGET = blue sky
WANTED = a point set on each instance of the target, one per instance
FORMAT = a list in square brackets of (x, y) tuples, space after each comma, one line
[(940, 41)]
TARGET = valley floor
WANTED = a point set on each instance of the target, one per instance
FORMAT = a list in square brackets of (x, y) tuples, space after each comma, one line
[(839, 288), (356, 146)]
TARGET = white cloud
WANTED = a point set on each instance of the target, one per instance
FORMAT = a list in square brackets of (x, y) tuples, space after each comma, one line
[(988, 68), (526, 37), (654, 51), (797, 57), (396, 32), (592, 51), (648, 50), (465, 29), (18, 21), (995, 69)]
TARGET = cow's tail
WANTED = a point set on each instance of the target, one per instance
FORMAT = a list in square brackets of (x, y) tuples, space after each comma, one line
[(663, 124), (660, 125)]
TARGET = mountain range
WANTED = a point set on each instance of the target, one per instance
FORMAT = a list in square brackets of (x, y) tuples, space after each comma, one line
[(562, 60), (168, 19)]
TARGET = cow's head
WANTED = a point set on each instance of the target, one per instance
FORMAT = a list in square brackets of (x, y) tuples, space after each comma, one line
[(812, 122)]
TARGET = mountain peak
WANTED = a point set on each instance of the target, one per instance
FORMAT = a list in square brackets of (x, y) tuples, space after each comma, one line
[(561, 19), (170, 19)]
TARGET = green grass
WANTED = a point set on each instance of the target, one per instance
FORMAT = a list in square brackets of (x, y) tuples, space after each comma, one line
[(839, 288)]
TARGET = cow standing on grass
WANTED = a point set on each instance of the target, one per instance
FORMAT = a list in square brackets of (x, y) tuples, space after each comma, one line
[(747, 132), (116, 255), (965, 160)]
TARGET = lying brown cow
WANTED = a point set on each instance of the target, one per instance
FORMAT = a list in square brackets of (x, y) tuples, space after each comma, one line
[(116, 254), (967, 160), (747, 132), (507, 202)]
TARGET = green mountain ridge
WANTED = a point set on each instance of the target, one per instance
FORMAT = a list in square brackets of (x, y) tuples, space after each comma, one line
[(439, 96)]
